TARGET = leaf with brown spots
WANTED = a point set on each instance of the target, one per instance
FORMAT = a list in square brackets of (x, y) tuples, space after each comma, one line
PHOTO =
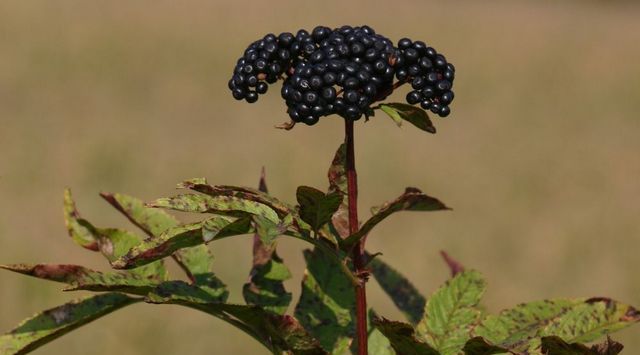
[(56, 322), (402, 292), (81, 278), (183, 236), (337, 175), (196, 261), (403, 338), (411, 200), (277, 333), (111, 242), (265, 287), (452, 312), (326, 307)]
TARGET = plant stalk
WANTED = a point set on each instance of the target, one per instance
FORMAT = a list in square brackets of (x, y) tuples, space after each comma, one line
[(358, 251)]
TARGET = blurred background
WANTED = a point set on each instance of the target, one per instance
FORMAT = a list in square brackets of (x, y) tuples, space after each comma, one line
[(540, 158)]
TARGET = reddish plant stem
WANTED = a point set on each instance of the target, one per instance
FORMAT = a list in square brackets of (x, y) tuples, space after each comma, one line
[(358, 252)]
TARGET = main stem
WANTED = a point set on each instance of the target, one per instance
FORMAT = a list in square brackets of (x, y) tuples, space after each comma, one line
[(358, 251)]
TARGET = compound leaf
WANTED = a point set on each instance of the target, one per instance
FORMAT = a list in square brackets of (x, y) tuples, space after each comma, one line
[(56, 322), (452, 312)]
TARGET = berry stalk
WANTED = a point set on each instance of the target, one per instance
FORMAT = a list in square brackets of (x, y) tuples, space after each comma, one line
[(358, 252)]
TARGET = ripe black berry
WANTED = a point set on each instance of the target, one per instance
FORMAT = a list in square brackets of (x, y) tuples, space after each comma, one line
[(342, 71)]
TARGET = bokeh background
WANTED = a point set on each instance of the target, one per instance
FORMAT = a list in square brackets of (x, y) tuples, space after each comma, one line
[(540, 159)]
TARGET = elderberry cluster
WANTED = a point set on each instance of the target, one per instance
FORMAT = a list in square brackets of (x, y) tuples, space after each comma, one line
[(342, 71)]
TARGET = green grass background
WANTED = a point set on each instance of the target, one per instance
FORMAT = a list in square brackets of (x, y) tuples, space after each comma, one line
[(540, 158)]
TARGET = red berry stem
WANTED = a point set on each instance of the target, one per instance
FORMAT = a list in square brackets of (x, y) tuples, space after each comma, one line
[(358, 252)]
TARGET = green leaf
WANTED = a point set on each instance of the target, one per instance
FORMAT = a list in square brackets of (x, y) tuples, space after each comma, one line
[(316, 208), (195, 261), (452, 312), (512, 328), (277, 333), (112, 243), (183, 236), (415, 115), (592, 319), (81, 278), (479, 346), (402, 292), (378, 344), (244, 193), (338, 184), (265, 287), (327, 303), (403, 338), (226, 205), (56, 322), (411, 200)]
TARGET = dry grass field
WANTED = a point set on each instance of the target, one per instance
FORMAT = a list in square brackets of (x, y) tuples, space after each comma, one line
[(540, 158)]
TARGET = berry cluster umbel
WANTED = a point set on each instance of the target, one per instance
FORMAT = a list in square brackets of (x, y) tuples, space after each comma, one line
[(342, 71)]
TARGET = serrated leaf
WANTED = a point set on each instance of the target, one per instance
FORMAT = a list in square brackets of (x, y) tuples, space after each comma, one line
[(81, 278), (415, 115), (277, 333), (225, 205), (337, 175), (452, 312), (402, 292), (316, 207), (411, 200), (183, 236), (479, 346), (513, 328), (327, 303), (111, 242), (56, 322), (592, 319), (265, 287), (403, 338)]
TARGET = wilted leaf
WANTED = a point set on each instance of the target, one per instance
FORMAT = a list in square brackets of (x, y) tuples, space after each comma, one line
[(452, 312), (112, 243), (415, 115), (608, 347), (403, 294), (454, 266), (56, 322), (226, 205), (277, 333), (245, 193), (183, 236), (81, 278), (265, 287), (316, 208), (403, 338), (338, 184), (411, 200), (556, 346), (327, 303)]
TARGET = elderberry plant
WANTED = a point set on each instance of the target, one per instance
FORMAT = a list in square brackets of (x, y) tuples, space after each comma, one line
[(343, 71)]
